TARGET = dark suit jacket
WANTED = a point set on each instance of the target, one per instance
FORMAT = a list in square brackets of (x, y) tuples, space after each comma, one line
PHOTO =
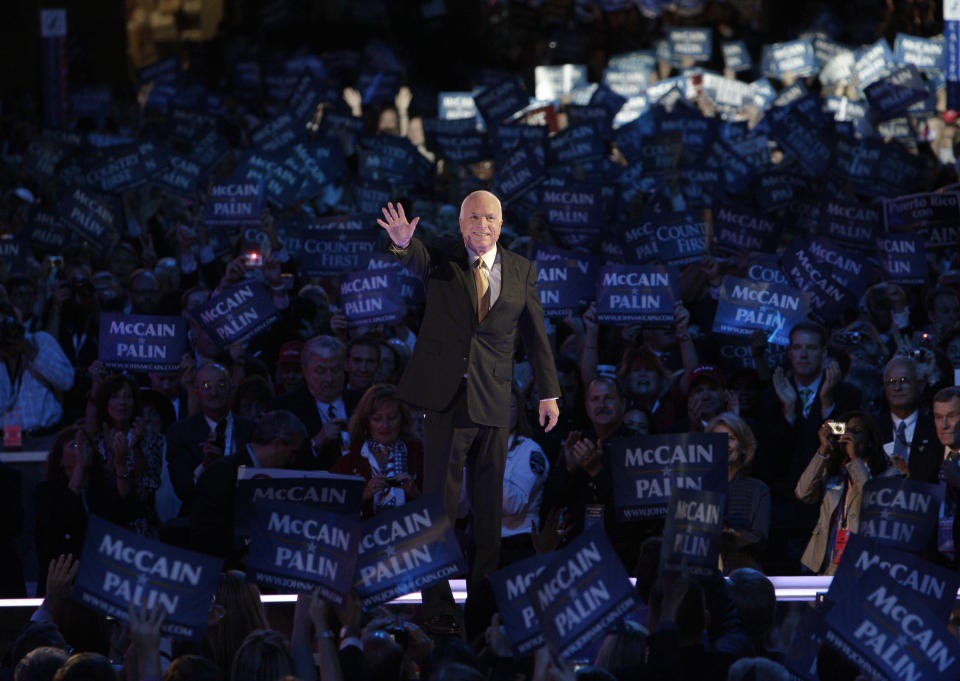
[(11, 525), (211, 518), (302, 404), (790, 448), (452, 342), (926, 452), (185, 440)]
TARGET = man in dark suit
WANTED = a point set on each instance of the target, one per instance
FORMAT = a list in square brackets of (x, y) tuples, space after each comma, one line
[(194, 443), (812, 393), (479, 299), (908, 432), (319, 403), (273, 444), (946, 417)]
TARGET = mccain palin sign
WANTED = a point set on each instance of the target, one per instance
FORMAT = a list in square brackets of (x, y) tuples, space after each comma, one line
[(646, 470), (511, 588), (119, 568), (583, 590), (300, 548), (745, 306), (900, 513), (238, 313), (406, 549), (627, 294), (371, 297), (142, 342), (314, 489)]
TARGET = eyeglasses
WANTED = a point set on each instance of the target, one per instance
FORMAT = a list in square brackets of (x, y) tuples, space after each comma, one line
[(209, 385), (903, 380)]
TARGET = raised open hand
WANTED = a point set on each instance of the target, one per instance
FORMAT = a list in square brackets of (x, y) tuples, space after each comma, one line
[(397, 226)]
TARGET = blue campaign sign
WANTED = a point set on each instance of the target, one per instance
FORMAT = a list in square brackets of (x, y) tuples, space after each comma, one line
[(511, 588), (238, 313), (691, 532), (94, 102), (924, 53), (14, 252), (163, 71), (281, 183), (889, 633), (298, 548), (519, 172), (850, 268), (90, 218), (318, 490), (564, 284), (583, 590), (46, 231), (745, 306), (371, 297), (457, 105), (119, 567), (646, 470), (681, 237), (235, 203), (334, 250), (577, 143), (766, 269), (277, 134), (850, 223), (406, 549), (900, 513), (951, 35), (499, 102), (693, 43), (576, 213), (736, 57), (627, 294), (892, 95), (903, 257), (121, 169), (740, 229), (935, 215), (828, 297), (626, 82), (775, 190), (409, 287), (933, 584), (304, 161), (392, 158), (873, 62), (181, 177), (508, 135), (794, 56), (142, 342), (304, 98)]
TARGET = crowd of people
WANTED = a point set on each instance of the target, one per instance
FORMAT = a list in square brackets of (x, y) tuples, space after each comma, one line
[(159, 452)]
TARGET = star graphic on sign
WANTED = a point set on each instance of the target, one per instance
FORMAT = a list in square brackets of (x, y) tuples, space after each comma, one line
[(885, 514), (391, 551), (141, 580), (311, 547), (634, 291), (902, 641), (667, 470), (572, 593)]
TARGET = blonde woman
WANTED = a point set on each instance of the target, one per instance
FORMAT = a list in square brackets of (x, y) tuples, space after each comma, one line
[(747, 515)]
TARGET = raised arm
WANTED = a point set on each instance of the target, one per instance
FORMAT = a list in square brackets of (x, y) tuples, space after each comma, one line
[(397, 226)]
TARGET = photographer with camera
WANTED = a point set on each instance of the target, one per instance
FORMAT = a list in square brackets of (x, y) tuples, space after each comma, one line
[(34, 371), (849, 454)]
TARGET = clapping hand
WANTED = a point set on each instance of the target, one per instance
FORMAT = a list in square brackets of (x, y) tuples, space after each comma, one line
[(396, 224)]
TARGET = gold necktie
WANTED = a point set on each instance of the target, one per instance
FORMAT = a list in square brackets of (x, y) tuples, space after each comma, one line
[(483, 288)]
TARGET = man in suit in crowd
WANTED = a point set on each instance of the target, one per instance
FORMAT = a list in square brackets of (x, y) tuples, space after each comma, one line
[(197, 441), (802, 401), (363, 360), (480, 298), (319, 403), (275, 439), (908, 431), (946, 417)]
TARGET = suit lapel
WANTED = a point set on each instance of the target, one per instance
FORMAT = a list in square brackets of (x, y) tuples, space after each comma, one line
[(464, 270), (508, 275)]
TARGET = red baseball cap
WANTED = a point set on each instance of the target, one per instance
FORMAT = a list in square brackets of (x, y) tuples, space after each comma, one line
[(290, 352), (705, 371)]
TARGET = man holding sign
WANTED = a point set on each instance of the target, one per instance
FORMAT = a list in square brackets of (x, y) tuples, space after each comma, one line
[(479, 298)]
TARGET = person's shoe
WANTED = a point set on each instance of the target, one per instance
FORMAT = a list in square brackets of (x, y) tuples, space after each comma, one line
[(442, 625)]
